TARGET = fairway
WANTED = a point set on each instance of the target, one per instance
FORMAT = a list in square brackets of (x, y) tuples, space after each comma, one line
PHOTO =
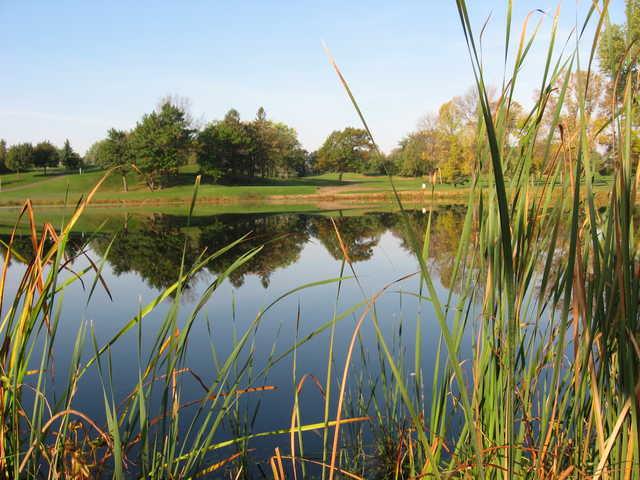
[(61, 188), (58, 188)]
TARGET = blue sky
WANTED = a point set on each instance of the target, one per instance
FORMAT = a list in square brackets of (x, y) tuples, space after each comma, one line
[(73, 69)]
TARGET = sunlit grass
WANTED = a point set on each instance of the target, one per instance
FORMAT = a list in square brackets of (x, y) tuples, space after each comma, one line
[(64, 188)]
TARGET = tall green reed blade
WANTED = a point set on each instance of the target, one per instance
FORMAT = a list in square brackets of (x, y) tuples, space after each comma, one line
[(505, 228), (329, 373), (440, 315)]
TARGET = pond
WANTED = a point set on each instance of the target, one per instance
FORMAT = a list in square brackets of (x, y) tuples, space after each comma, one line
[(140, 254)]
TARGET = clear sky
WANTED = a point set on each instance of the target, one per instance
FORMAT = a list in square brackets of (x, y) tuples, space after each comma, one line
[(73, 69)]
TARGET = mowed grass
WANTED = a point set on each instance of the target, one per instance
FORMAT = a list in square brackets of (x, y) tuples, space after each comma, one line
[(59, 187), (55, 188)]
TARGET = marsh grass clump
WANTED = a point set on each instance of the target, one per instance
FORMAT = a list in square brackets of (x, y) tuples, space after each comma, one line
[(546, 275)]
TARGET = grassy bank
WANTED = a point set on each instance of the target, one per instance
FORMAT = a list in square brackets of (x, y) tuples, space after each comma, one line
[(63, 188)]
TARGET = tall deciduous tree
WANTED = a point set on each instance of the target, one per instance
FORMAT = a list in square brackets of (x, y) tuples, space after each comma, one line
[(20, 157), (593, 100), (345, 150), (94, 153), (161, 143), (418, 153), (444, 143), (45, 155), (456, 155), (619, 56), (619, 48)]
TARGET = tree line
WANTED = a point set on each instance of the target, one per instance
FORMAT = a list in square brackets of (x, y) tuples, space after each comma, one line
[(232, 150), (448, 142), (25, 156), (227, 151)]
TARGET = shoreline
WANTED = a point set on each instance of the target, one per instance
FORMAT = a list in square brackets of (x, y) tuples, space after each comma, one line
[(315, 198)]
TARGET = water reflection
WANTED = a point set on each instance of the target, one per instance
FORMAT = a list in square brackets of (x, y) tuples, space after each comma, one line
[(145, 251), (153, 246), (154, 251), (446, 229), (282, 238), (358, 234)]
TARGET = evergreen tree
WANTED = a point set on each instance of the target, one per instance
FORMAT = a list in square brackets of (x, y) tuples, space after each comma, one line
[(225, 148), (69, 158)]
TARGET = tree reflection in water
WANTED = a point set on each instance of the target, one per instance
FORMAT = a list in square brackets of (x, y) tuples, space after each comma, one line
[(153, 246), (446, 229)]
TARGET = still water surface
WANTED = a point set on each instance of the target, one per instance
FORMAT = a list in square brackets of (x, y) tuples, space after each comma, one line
[(297, 249)]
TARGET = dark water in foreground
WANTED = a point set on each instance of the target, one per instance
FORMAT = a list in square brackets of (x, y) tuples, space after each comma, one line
[(297, 249)]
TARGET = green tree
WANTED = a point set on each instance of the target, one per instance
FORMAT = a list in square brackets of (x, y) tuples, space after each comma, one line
[(69, 158), (619, 48), (418, 152), (285, 152), (115, 152), (225, 147), (94, 153), (3, 155), (160, 143), (345, 150), (456, 132), (299, 162), (20, 157), (45, 155), (310, 164), (210, 152), (261, 132)]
